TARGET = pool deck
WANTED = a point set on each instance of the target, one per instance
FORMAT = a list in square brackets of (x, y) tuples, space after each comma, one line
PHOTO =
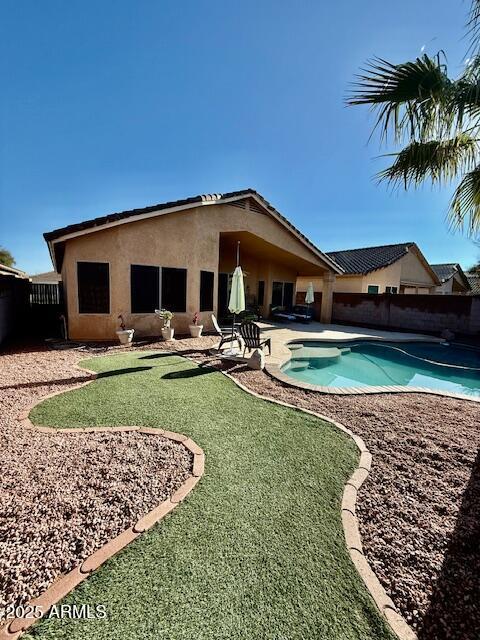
[(282, 334)]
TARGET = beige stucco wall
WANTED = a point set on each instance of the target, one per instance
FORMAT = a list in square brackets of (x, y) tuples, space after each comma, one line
[(452, 286), (390, 276), (414, 272), (408, 269), (386, 277), (187, 239), (346, 284)]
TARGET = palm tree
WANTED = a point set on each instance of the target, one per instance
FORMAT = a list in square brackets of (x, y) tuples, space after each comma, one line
[(436, 119)]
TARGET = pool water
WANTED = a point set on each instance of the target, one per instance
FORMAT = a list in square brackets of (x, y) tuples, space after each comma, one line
[(372, 363)]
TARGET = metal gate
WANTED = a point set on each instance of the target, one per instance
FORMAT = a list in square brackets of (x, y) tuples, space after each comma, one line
[(47, 310)]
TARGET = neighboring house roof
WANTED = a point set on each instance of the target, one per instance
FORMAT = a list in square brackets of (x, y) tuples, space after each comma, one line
[(444, 271), (11, 271), (367, 259), (447, 270), (112, 219), (474, 282), (49, 277)]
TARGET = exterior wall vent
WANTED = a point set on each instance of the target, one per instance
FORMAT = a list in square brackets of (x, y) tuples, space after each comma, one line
[(241, 204), (255, 207)]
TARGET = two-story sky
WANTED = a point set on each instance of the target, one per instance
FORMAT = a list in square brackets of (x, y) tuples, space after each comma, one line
[(116, 104)]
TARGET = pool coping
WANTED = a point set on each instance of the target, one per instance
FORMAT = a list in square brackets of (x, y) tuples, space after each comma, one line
[(275, 370)]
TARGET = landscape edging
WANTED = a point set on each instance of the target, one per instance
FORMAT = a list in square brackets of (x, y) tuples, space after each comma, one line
[(349, 519), (13, 628)]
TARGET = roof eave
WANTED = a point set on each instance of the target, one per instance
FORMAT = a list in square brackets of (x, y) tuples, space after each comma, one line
[(234, 197)]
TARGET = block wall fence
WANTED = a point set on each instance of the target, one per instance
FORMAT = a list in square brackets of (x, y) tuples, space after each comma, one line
[(422, 313)]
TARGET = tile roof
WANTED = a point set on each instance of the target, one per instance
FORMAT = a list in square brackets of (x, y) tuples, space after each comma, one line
[(50, 236), (445, 271), (474, 282), (47, 277), (367, 259), (131, 213)]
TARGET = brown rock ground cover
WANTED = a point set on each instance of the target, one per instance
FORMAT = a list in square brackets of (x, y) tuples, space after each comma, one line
[(64, 496), (419, 509)]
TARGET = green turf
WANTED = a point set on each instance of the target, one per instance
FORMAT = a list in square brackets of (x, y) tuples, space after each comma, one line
[(257, 550)]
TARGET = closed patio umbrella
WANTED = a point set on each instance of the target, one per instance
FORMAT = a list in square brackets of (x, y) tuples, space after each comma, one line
[(236, 303), (309, 296)]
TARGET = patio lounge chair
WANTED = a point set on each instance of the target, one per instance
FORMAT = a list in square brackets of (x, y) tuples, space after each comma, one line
[(250, 333), (303, 313), (226, 334), (281, 314)]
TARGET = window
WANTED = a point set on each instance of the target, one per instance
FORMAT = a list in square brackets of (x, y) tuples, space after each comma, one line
[(391, 290), (144, 288), (287, 294), (93, 281), (261, 292), (222, 294), (174, 289), (206, 290), (277, 294), (372, 288), (282, 294)]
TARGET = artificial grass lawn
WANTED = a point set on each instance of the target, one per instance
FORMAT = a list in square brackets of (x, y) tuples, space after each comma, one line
[(256, 550)]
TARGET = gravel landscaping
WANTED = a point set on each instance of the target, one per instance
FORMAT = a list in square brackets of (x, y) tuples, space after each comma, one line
[(257, 550), (63, 496), (419, 510)]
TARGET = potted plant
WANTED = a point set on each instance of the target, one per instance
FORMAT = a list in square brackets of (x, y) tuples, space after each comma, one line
[(124, 335), (195, 328), (167, 330)]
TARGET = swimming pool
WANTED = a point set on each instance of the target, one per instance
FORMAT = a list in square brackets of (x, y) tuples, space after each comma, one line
[(363, 363)]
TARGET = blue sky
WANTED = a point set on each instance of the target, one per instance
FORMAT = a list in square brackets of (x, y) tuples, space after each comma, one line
[(112, 105)]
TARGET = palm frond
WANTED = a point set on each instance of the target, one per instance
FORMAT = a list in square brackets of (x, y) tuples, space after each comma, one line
[(436, 160), (473, 26), (464, 209), (465, 95), (406, 95)]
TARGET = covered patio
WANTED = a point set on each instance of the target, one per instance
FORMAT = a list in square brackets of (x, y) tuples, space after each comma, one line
[(270, 274)]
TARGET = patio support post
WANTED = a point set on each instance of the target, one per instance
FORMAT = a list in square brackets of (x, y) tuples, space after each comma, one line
[(327, 297)]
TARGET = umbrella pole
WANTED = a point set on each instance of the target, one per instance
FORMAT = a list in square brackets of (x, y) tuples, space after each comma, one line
[(233, 319)]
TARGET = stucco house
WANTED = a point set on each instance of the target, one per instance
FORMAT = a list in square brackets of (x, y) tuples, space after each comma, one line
[(179, 255), (452, 278), (474, 283), (49, 277), (394, 268)]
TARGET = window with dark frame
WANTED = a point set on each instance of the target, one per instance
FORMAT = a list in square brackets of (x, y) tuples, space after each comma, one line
[(93, 282), (372, 288), (287, 294), (174, 289), (261, 292), (391, 290), (144, 288), (206, 290), (277, 294)]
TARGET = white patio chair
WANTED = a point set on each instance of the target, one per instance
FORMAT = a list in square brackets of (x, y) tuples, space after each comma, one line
[(226, 334)]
